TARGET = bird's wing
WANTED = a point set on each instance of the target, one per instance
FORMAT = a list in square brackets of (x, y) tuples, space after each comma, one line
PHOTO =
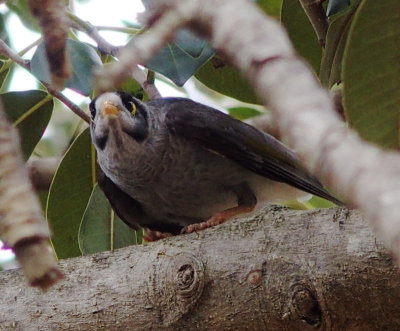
[(129, 210), (246, 145)]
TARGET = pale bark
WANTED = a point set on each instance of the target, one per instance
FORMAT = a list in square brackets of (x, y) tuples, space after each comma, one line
[(364, 175), (277, 270), (53, 20), (22, 225)]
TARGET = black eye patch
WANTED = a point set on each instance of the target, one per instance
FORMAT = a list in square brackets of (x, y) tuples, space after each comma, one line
[(126, 99), (92, 108)]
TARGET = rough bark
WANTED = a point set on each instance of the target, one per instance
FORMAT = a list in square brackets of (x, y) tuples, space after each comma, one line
[(22, 225), (276, 270)]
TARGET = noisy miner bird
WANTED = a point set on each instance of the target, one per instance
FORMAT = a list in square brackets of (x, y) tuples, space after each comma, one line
[(172, 165)]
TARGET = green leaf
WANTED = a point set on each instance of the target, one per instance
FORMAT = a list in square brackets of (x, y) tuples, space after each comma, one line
[(178, 60), (30, 111), (132, 87), (331, 66), (301, 32), (69, 195), (224, 78), (243, 113), (271, 7), (4, 73), (335, 6), (371, 72), (84, 61), (100, 230), (4, 35), (21, 8), (317, 202), (189, 42), (129, 85)]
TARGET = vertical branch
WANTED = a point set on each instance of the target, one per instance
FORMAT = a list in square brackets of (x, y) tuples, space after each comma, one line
[(316, 15), (54, 22), (22, 225)]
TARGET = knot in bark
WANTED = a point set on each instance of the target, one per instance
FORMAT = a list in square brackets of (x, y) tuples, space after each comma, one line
[(187, 280), (305, 305), (254, 277), (175, 284)]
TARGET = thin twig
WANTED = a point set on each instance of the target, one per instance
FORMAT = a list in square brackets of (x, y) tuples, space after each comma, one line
[(30, 46), (118, 29), (317, 16), (71, 105), (105, 47), (7, 51)]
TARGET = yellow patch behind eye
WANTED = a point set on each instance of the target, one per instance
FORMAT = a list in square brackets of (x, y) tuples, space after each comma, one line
[(133, 109)]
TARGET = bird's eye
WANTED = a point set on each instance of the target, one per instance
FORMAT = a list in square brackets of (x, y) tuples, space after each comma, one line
[(132, 109)]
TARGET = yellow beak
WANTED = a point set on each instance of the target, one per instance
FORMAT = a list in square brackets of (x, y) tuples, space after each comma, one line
[(109, 109)]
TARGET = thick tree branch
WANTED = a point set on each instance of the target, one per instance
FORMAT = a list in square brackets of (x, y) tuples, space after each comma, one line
[(53, 20), (265, 123), (363, 174), (278, 270), (22, 225)]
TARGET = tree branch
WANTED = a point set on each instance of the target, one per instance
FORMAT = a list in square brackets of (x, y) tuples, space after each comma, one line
[(8, 52), (105, 47), (144, 46), (277, 270), (316, 15), (265, 123), (22, 225), (71, 105), (53, 20)]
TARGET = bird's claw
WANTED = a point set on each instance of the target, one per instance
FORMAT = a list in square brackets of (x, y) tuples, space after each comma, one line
[(213, 221), (150, 235)]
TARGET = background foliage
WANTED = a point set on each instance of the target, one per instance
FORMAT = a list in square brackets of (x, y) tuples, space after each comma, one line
[(360, 61)]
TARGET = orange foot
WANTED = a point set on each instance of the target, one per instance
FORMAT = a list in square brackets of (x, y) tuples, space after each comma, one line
[(150, 235), (218, 218)]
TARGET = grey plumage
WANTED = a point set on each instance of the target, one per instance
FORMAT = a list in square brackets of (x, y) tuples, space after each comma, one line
[(176, 162)]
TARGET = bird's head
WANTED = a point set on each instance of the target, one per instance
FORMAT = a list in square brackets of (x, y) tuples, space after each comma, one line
[(117, 117)]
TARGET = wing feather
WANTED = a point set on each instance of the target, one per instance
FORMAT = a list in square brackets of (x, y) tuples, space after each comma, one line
[(246, 145)]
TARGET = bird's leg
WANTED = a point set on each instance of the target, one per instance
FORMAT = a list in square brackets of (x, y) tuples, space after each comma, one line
[(246, 203), (150, 235)]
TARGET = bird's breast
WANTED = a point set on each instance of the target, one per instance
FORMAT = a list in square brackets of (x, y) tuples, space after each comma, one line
[(174, 179)]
